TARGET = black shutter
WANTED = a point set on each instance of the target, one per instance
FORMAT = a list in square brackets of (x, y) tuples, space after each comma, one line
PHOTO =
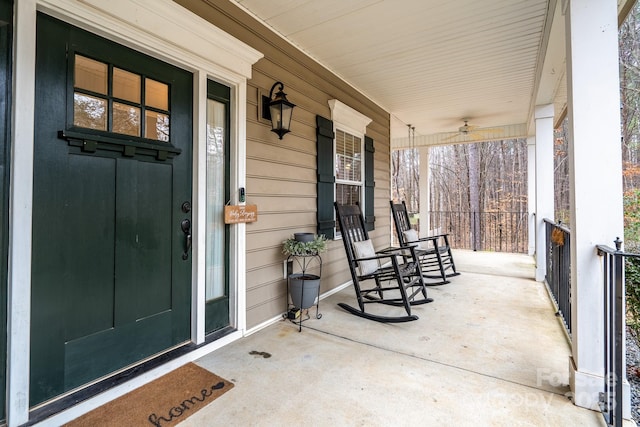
[(369, 184), (326, 178)]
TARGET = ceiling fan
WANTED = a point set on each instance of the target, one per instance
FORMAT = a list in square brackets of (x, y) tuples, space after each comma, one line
[(466, 129), (473, 131)]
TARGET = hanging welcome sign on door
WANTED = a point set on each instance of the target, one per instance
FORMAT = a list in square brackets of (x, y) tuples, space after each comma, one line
[(234, 214)]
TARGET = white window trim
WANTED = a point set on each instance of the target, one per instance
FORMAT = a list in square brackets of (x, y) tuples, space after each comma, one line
[(355, 123), (346, 118)]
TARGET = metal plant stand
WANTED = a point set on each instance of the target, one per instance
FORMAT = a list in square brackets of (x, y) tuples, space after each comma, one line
[(302, 264)]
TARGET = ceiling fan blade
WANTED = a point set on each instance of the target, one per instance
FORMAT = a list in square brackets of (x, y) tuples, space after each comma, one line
[(471, 133), (450, 137), (498, 129), (483, 136), (456, 135)]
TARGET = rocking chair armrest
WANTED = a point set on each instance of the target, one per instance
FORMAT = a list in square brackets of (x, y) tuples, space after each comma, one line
[(372, 258), (441, 241), (432, 245), (395, 249), (445, 235), (405, 250), (426, 239), (382, 261)]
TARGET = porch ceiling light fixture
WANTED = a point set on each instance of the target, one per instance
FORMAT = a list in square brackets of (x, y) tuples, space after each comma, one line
[(280, 110)]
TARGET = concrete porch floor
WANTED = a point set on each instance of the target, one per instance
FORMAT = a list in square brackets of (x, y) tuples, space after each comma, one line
[(488, 351)]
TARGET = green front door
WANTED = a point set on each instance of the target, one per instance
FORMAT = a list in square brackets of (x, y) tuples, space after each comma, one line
[(111, 272)]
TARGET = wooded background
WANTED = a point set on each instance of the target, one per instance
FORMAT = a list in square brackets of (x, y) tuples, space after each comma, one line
[(478, 192)]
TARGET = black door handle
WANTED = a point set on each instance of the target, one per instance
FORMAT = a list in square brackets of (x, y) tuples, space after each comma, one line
[(186, 229)]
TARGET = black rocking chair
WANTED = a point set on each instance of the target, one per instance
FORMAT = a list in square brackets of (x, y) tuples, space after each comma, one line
[(391, 276), (436, 259)]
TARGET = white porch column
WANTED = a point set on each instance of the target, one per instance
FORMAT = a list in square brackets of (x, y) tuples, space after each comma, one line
[(424, 197), (595, 179), (531, 193), (544, 182)]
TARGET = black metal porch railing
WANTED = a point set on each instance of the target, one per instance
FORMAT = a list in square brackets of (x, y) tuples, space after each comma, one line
[(614, 358), (483, 231), (558, 271)]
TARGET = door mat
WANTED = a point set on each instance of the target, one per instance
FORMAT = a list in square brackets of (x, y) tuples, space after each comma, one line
[(163, 402)]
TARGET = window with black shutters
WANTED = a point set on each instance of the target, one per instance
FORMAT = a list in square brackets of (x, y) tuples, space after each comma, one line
[(344, 165)]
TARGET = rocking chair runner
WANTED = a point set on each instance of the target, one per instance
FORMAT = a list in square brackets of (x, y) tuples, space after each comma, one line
[(434, 251), (391, 276)]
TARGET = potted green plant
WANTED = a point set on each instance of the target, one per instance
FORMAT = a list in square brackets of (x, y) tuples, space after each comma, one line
[(304, 244), (304, 287)]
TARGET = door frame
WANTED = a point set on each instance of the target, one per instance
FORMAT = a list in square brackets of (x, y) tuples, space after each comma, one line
[(143, 26), (6, 15)]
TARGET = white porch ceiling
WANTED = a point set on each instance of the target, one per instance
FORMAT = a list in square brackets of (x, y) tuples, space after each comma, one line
[(433, 63)]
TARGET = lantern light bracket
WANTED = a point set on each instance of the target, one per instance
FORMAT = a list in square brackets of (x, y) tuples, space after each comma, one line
[(279, 100)]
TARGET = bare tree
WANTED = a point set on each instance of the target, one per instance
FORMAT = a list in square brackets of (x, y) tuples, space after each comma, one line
[(477, 192)]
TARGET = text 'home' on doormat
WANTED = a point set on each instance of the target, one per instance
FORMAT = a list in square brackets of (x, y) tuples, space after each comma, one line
[(163, 402)]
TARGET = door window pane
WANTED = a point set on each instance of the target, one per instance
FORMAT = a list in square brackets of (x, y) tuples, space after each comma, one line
[(215, 245), (91, 75), (157, 94), (89, 111), (126, 85), (121, 109), (157, 126), (126, 119)]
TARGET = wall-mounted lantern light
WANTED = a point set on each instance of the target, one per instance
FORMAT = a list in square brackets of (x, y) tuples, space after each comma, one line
[(280, 110)]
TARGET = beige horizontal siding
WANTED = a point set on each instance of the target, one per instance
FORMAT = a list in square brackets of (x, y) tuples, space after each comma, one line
[(281, 174)]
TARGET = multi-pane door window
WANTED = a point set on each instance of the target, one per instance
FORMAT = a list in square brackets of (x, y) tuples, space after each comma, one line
[(111, 99)]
